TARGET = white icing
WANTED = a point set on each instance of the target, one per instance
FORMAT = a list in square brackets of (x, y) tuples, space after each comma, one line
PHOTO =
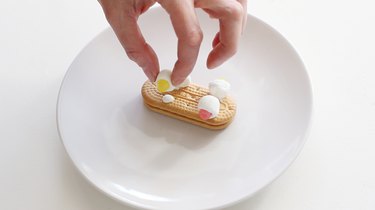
[(167, 99), (210, 104), (219, 88)]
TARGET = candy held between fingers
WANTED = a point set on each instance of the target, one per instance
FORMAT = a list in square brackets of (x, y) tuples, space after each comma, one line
[(163, 81)]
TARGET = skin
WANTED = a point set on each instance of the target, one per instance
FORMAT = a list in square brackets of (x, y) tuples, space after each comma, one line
[(122, 15)]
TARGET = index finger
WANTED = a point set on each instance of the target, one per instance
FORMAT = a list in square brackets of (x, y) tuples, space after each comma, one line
[(123, 19), (189, 34)]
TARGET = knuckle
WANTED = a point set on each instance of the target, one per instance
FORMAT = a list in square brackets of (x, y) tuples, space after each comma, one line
[(135, 56), (116, 17), (234, 10), (132, 54), (193, 38), (233, 51)]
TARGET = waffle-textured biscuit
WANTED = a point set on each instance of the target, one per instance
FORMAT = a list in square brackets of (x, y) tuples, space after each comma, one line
[(185, 105)]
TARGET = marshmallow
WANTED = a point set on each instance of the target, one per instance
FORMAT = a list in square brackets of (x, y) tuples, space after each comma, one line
[(163, 81), (219, 88), (209, 107)]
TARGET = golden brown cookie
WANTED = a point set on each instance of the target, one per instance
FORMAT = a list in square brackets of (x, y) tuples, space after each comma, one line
[(185, 105)]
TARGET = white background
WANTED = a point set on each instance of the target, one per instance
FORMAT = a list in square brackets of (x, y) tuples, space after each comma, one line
[(335, 170)]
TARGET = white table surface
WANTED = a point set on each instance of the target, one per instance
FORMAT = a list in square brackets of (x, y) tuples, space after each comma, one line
[(335, 170)]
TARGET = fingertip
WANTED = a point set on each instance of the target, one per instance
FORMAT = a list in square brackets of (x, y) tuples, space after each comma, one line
[(220, 54), (213, 62), (212, 65), (155, 75), (181, 70), (177, 80), (209, 64), (151, 75), (216, 40), (154, 72), (153, 64)]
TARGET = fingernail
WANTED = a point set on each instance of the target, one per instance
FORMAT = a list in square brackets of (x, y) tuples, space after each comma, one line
[(151, 76), (177, 81), (154, 76)]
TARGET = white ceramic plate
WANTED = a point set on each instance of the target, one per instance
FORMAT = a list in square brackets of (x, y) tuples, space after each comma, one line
[(151, 161)]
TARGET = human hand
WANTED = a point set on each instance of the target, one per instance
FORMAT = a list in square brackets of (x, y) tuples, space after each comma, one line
[(122, 15)]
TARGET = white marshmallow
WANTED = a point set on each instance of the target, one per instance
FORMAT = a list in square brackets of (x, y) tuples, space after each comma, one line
[(219, 88), (210, 104), (163, 81)]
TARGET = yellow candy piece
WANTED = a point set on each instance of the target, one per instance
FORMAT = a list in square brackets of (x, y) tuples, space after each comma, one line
[(162, 85)]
